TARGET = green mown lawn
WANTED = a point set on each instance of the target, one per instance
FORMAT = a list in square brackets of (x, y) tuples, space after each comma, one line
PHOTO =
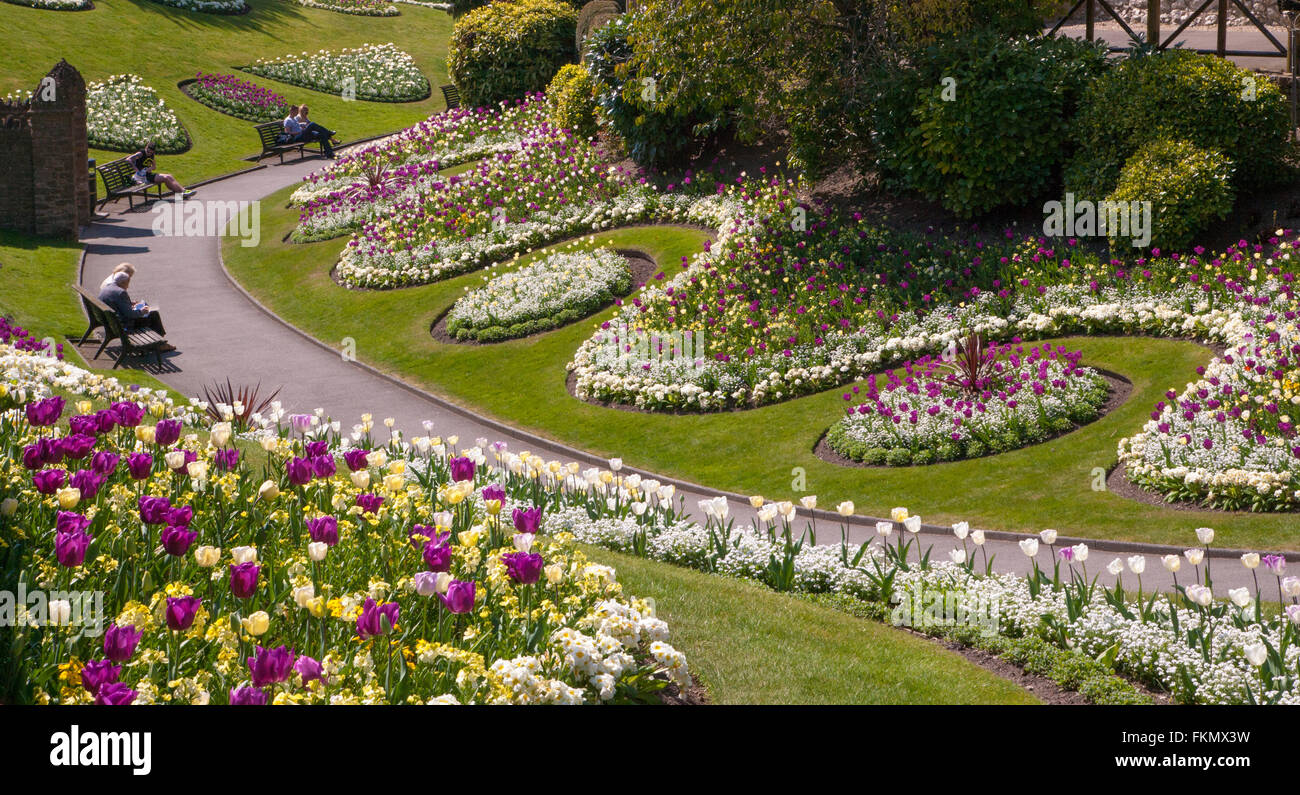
[(750, 645), (34, 293), (761, 451), (166, 45)]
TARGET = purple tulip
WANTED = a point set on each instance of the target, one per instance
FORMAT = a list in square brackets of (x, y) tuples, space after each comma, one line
[(166, 432), (1275, 564), (269, 666), (70, 548), (226, 458), (315, 449), (323, 466), (1067, 553), (459, 597), (34, 456), (437, 556), (139, 465), (356, 459), (523, 568), (299, 471), (154, 510), (309, 669), (88, 482), (126, 413), (370, 623), (115, 694), (324, 529), (181, 611), (176, 539), (462, 468), (247, 697), (106, 420), (97, 673), (70, 522), (43, 413), (243, 579), (494, 492), (120, 642), (105, 462), (527, 520), (370, 502), (181, 515), (87, 424), (48, 481), (429, 534), (76, 446)]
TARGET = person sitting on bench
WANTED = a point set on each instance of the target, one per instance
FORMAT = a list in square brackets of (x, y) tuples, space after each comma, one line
[(121, 267), (292, 128), (134, 316), (143, 163), (311, 131)]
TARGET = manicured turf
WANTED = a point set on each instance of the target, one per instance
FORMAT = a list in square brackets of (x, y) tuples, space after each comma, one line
[(166, 45), (752, 452), (35, 293), (750, 645)]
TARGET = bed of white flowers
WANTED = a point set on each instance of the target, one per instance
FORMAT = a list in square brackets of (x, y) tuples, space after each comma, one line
[(377, 72), (207, 6), (54, 5), (364, 8), (1200, 645), (551, 292), (123, 114)]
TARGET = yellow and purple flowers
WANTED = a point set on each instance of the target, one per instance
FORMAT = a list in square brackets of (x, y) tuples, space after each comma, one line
[(238, 97)]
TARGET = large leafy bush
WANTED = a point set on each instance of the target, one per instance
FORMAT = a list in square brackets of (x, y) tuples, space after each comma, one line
[(982, 122), (1188, 187), (925, 22), (1183, 95), (571, 97), (510, 48)]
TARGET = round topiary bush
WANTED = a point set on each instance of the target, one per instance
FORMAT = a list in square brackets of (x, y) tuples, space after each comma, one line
[(571, 97), (510, 48), (1177, 94), (1188, 187)]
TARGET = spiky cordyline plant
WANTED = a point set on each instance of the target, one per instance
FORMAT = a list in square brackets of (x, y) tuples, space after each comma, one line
[(248, 398), (971, 364)]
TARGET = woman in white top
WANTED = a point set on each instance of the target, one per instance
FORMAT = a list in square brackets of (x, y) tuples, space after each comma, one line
[(292, 127), (124, 267)]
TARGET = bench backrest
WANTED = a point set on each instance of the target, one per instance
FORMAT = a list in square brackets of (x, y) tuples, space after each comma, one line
[(118, 175), (269, 132), (452, 96), (100, 312)]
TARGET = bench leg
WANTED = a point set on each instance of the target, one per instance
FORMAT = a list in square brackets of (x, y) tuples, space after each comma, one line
[(102, 345), (86, 336)]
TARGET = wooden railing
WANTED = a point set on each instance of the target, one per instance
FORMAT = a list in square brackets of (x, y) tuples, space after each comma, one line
[(1224, 7)]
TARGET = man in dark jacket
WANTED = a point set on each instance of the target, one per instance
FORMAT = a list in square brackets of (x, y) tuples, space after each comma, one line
[(132, 316)]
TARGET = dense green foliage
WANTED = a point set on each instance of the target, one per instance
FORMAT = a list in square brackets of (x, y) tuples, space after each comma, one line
[(1188, 187), (571, 97), (510, 48)]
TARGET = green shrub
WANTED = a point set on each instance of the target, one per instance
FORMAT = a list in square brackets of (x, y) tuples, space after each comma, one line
[(510, 48), (923, 22), (1177, 94), (654, 133), (461, 7), (983, 122), (1188, 187), (571, 97), (921, 457), (898, 457)]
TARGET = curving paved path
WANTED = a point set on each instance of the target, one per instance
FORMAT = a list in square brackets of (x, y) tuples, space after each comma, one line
[(222, 332)]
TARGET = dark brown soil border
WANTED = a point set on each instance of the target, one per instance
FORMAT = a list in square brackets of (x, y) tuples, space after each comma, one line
[(643, 267), (694, 696), (1120, 389)]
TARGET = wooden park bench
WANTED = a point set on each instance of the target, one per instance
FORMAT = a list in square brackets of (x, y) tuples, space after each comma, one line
[(270, 131), (101, 316), (451, 95), (119, 181)]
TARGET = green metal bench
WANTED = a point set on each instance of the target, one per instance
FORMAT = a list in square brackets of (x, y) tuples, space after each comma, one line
[(137, 342), (119, 181)]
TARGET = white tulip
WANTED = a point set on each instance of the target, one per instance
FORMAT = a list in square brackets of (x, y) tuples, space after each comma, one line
[(1250, 560), (809, 502), (1205, 535), (1137, 564), (978, 537), (244, 554), (1172, 563), (1048, 537), (845, 508), (913, 524), (884, 529), (221, 433), (1200, 595), (1256, 654), (317, 550), (1029, 546), (957, 556), (1194, 556), (1239, 596), (524, 542), (1115, 567), (1081, 552), (961, 530)]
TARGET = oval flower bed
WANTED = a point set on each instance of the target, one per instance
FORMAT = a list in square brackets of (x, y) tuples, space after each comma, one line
[(376, 72), (364, 8), (987, 400), (309, 571), (237, 97), (543, 295), (123, 114), (55, 5)]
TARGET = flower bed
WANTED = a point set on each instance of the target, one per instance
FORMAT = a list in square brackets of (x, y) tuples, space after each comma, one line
[(1229, 439), (543, 295), (123, 114), (364, 8), (238, 97), (207, 6), (55, 5), (1193, 646), (999, 399), (313, 570), (375, 72)]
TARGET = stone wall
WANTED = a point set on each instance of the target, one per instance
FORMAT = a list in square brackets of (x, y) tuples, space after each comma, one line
[(43, 180), (1174, 12)]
